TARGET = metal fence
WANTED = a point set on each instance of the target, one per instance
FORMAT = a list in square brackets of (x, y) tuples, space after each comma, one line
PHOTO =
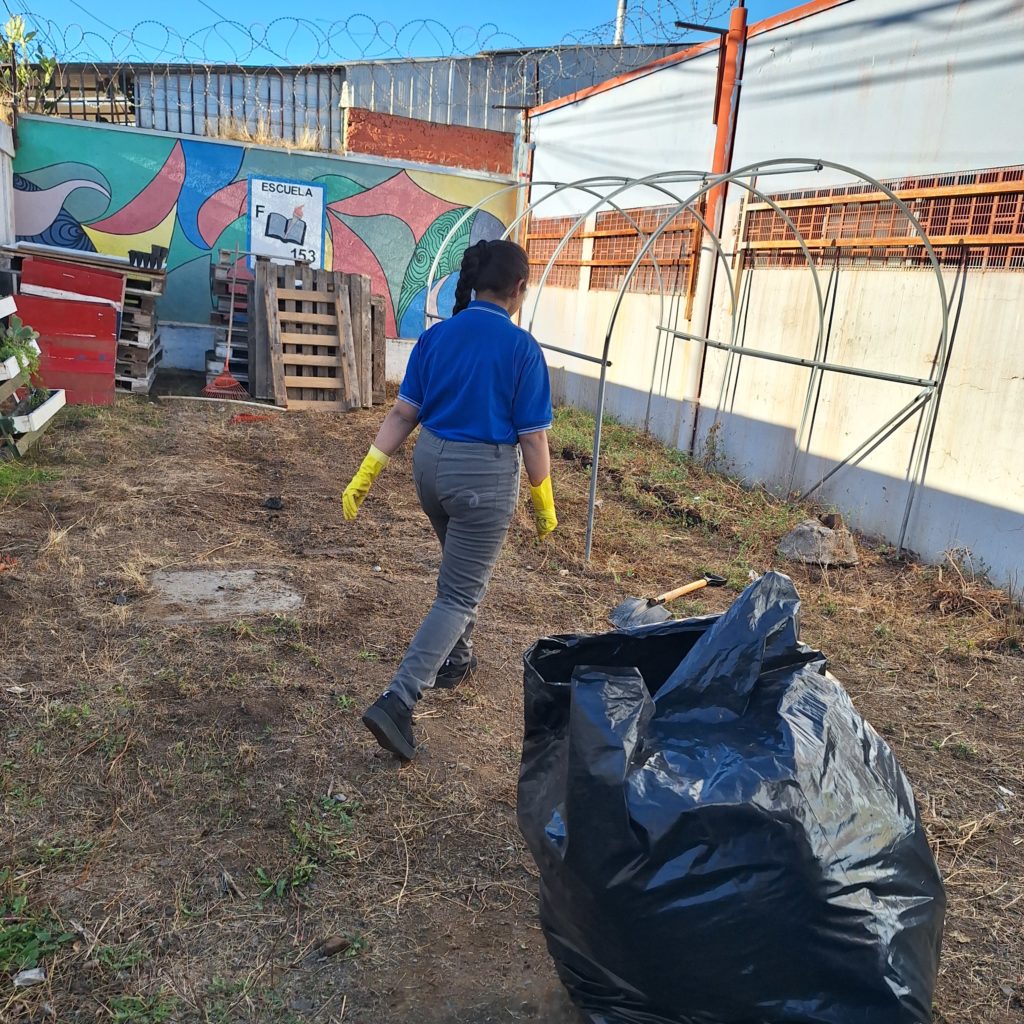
[(303, 106), (287, 81)]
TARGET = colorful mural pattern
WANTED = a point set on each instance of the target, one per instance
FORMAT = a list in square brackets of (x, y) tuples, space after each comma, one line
[(128, 189)]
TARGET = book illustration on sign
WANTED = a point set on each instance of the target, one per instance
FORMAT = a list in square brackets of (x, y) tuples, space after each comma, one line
[(291, 230)]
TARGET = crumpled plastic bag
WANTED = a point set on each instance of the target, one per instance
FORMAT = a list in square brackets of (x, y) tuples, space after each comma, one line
[(721, 838)]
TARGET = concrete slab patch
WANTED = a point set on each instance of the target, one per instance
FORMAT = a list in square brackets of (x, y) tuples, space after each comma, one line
[(184, 594)]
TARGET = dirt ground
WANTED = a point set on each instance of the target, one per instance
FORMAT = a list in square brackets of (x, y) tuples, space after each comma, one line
[(190, 808)]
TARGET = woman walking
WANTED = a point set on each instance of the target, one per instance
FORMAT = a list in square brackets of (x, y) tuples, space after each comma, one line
[(478, 385)]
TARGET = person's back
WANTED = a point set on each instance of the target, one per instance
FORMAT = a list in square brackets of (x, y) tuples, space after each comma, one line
[(477, 377)]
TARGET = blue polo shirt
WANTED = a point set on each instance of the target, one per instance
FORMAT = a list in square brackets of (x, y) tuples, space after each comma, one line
[(477, 377)]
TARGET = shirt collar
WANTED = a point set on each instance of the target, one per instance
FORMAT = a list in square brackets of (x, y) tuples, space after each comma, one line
[(491, 307)]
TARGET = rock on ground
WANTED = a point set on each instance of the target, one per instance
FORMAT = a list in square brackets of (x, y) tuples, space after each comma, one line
[(814, 543)]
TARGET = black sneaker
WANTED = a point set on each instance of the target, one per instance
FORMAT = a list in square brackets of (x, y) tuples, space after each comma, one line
[(449, 676), (390, 721)]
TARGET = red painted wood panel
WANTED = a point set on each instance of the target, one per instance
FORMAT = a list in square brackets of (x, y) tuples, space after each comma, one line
[(78, 341), (67, 277)]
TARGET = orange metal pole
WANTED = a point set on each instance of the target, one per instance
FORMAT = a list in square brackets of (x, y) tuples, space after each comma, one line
[(726, 114), (728, 107)]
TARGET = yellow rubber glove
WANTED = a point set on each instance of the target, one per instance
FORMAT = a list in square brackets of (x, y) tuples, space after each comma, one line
[(544, 508), (359, 488)]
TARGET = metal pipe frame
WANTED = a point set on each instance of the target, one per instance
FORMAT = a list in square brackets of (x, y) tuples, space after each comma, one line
[(811, 364), (918, 459), (655, 183), (557, 187), (476, 207), (588, 186), (884, 432)]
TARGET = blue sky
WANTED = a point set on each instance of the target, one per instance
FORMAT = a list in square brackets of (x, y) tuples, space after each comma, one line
[(535, 22)]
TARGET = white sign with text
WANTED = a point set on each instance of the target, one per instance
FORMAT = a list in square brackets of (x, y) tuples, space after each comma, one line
[(286, 220)]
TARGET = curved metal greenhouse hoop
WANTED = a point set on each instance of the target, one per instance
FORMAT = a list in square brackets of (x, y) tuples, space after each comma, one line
[(585, 185), (627, 184), (940, 361), (582, 186)]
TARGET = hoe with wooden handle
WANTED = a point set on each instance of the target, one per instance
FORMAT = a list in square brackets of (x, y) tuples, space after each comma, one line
[(643, 611)]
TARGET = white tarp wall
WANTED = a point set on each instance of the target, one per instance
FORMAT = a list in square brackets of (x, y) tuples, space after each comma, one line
[(893, 87)]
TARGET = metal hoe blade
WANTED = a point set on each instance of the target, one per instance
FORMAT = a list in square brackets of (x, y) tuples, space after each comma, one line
[(638, 611)]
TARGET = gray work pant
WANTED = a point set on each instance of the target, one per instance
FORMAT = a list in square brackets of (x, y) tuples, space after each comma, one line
[(469, 492)]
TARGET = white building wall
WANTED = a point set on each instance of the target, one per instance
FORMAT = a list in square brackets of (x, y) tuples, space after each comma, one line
[(656, 122)]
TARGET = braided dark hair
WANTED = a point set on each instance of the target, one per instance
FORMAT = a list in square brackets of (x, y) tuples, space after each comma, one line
[(496, 267)]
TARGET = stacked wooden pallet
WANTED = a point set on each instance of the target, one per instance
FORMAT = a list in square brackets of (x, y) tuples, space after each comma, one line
[(139, 349), (225, 279), (320, 340)]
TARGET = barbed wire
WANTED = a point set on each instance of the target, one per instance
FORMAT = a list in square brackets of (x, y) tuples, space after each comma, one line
[(358, 37), (285, 82)]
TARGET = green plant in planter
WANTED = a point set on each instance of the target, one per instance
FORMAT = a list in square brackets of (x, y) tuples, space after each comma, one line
[(18, 340)]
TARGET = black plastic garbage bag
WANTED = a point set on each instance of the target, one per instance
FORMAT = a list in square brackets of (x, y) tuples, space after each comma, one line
[(740, 848)]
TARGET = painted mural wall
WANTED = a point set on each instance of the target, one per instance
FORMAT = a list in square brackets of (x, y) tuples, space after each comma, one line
[(105, 189)]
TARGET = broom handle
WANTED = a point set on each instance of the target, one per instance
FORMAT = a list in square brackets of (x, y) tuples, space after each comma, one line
[(232, 281), (671, 595)]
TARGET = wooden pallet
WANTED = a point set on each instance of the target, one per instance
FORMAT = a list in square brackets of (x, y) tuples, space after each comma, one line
[(137, 362), (134, 316), (312, 348), (134, 385), (149, 339), (215, 362), (140, 337), (378, 346), (145, 303)]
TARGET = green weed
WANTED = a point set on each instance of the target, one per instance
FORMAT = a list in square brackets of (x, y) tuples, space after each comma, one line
[(26, 936), (124, 956), (142, 1009), (295, 877), (59, 850), (19, 474), (71, 716)]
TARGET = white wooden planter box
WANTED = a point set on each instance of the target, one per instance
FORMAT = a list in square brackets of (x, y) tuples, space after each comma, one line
[(10, 368), (38, 418)]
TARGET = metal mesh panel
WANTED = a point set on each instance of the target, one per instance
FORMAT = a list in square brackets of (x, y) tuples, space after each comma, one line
[(542, 240), (616, 244), (983, 210)]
